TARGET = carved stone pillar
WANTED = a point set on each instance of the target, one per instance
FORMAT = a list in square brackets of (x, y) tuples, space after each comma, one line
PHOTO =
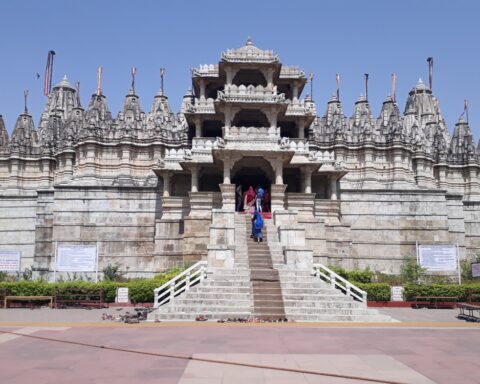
[(198, 127), (278, 196), (307, 175), (301, 129), (194, 171), (333, 188), (167, 184), (226, 170), (228, 196), (229, 73), (295, 91), (202, 89), (279, 171)]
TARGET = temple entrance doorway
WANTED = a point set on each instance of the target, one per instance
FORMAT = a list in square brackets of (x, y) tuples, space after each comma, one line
[(252, 172)]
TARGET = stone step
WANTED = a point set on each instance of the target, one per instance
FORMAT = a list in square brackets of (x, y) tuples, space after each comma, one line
[(323, 304), (340, 318), (327, 311), (226, 284), (214, 295), (208, 290), (201, 309), (191, 317), (245, 302)]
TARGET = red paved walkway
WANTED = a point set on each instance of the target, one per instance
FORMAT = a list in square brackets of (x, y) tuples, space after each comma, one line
[(442, 355)]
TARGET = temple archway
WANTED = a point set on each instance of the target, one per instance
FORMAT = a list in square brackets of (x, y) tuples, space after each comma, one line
[(250, 118), (253, 171)]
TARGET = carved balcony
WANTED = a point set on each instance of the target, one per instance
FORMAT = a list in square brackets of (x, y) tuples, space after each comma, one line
[(250, 94), (205, 106), (206, 70), (291, 72), (301, 109)]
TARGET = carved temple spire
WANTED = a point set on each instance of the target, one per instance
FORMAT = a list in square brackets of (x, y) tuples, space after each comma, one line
[(363, 124), (98, 115), (3, 134), (24, 135), (462, 147)]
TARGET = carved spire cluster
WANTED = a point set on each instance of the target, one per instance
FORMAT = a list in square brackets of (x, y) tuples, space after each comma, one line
[(421, 128), (65, 123)]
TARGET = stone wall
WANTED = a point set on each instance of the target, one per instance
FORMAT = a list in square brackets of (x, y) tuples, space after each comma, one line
[(121, 220), (17, 224), (384, 226)]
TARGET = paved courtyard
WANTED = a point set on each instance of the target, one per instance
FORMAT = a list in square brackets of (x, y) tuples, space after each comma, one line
[(76, 346)]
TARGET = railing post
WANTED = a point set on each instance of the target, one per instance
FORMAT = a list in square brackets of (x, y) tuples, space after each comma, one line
[(187, 283), (332, 280), (172, 291), (348, 288)]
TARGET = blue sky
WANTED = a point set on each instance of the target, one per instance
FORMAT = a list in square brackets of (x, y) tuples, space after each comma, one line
[(323, 37)]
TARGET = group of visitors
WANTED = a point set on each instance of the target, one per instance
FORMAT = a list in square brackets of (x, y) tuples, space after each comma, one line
[(253, 201)]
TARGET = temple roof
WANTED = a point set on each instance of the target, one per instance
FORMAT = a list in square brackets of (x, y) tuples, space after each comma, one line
[(249, 53)]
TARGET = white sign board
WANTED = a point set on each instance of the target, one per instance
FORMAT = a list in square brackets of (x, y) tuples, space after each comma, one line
[(475, 269), (396, 294), (10, 261), (438, 258), (122, 295), (76, 258)]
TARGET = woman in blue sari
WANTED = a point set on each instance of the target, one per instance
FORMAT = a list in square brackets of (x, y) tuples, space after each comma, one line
[(257, 226)]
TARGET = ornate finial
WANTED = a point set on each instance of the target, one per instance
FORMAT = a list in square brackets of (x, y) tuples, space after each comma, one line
[(394, 87), (162, 73), (99, 80), (249, 41), (366, 86), (430, 72), (78, 94), (134, 72), (337, 76), (25, 97), (465, 112)]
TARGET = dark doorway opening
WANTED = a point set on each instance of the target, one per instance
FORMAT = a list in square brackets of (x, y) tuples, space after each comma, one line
[(252, 172)]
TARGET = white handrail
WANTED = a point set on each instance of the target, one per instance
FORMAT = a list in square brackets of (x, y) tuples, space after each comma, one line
[(180, 283), (339, 282)]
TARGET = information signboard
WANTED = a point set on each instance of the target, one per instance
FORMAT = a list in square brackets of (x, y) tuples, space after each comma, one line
[(475, 269), (397, 293), (76, 258), (10, 261), (122, 295), (438, 258)]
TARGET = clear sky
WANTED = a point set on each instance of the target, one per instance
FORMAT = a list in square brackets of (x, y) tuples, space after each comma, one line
[(323, 37)]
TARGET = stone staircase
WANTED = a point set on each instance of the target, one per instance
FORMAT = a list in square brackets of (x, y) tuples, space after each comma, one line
[(267, 292), (261, 286)]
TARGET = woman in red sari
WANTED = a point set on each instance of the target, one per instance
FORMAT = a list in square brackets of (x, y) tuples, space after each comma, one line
[(249, 199)]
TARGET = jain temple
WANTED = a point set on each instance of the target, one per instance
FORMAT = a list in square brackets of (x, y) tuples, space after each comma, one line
[(155, 189)]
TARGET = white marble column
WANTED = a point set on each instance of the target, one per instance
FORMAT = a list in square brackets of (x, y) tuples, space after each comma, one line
[(295, 92), (194, 171), (167, 184), (202, 89), (301, 129), (229, 73), (198, 127), (333, 188), (226, 170), (307, 179), (279, 171)]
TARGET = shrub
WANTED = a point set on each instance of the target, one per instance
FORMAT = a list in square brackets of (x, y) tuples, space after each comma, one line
[(360, 276), (112, 272), (140, 290), (376, 291), (411, 272), (463, 292)]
